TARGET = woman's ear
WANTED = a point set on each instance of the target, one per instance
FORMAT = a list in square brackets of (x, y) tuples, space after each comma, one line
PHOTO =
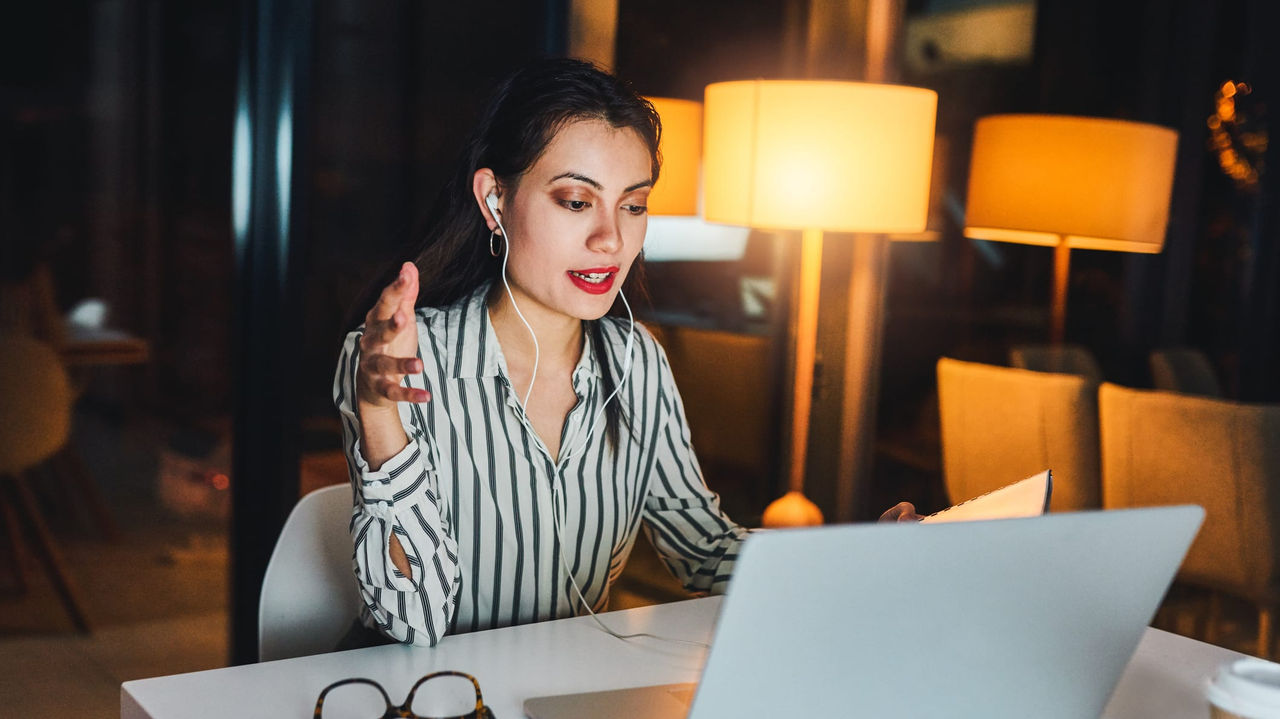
[(483, 184)]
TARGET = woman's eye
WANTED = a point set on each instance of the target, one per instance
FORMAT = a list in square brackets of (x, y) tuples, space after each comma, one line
[(636, 209), (576, 205)]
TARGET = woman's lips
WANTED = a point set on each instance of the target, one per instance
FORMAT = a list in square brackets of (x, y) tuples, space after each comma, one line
[(595, 281)]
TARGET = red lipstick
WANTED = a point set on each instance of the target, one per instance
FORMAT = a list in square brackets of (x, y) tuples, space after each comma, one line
[(595, 281)]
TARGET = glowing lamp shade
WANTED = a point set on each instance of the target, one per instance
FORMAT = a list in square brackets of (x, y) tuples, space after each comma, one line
[(818, 157), (827, 155), (681, 146), (1084, 182)]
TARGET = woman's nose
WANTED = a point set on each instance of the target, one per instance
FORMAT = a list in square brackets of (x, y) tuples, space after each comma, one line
[(606, 236)]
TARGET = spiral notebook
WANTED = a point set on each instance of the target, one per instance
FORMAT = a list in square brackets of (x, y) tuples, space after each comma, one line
[(1026, 498)]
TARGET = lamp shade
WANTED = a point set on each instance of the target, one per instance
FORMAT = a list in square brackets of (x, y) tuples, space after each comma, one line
[(826, 155), (681, 146), (1090, 183)]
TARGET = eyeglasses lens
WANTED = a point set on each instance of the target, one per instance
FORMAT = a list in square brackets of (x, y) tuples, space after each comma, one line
[(444, 696), (357, 700)]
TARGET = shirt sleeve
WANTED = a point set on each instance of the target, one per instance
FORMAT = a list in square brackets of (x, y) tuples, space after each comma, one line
[(400, 497), (682, 517)]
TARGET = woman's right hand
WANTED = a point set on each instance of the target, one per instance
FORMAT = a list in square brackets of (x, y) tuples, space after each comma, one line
[(389, 347), (388, 352)]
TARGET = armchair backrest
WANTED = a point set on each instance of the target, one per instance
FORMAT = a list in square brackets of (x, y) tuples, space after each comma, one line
[(1063, 359), (1001, 424), (1184, 370), (1168, 448)]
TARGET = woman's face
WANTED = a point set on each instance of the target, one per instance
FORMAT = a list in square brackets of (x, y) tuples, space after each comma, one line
[(576, 220)]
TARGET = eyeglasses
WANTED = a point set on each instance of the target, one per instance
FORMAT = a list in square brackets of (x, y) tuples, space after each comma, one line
[(351, 695)]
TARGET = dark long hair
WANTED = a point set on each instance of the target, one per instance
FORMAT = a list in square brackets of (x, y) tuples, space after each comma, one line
[(521, 117)]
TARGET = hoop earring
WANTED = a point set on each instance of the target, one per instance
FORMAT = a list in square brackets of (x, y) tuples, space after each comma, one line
[(495, 248)]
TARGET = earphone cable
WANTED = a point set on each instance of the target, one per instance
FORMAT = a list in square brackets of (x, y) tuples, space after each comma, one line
[(555, 513), (626, 374), (582, 600), (506, 252)]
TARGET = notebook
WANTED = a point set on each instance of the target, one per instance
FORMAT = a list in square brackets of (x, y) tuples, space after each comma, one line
[(994, 619), (1027, 498)]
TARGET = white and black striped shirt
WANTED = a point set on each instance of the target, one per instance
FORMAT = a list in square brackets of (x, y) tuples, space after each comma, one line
[(471, 496)]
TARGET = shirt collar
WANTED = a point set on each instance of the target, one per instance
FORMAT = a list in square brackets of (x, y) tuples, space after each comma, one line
[(474, 351)]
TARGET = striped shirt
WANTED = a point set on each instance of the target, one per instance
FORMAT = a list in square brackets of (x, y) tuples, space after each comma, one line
[(481, 508)]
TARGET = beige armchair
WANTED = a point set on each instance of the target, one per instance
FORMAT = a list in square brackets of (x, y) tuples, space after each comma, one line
[(1067, 359), (1185, 370), (1167, 448), (1000, 424)]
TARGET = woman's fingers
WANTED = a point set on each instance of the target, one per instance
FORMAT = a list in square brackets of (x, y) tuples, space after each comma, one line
[(901, 512), (397, 392), (389, 341), (382, 332), (392, 315), (388, 365), (409, 293), (390, 299)]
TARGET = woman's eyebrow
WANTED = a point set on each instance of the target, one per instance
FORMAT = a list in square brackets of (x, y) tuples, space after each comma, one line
[(583, 178), (578, 177)]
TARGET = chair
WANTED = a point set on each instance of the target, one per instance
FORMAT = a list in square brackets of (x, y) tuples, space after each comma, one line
[(1065, 359), (1184, 370), (35, 423), (1169, 448), (1001, 424), (309, 595)]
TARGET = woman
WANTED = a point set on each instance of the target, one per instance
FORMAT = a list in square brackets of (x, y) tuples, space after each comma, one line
[(475, 508), (507, 439)]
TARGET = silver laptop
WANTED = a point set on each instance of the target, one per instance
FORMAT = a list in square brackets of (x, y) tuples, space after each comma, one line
[(1002, 618)]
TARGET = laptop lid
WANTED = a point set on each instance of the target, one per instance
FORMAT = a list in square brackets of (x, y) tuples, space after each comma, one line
[(1004, 618)]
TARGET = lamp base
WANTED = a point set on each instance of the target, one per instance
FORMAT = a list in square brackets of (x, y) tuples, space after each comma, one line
[(792, 509)]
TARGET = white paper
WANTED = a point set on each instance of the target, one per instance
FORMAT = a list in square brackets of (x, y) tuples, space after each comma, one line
[(1027, 498)]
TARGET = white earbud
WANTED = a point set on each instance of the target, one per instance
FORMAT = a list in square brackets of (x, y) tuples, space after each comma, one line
[(492, 201)]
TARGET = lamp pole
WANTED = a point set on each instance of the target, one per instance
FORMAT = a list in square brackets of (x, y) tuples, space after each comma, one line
[(1061, 271), (806, 350)]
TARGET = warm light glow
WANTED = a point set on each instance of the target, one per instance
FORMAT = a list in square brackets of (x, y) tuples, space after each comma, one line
[(793, 509), (677, 190), (835, 156), (1098, 184), (1239, 143)]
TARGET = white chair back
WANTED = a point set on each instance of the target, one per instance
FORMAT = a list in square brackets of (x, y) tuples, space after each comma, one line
[(309, 594)]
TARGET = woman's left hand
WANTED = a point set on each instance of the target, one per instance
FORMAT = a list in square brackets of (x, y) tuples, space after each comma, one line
[(901, 512)]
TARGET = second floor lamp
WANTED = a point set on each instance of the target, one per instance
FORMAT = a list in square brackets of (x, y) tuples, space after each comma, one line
[(1070, 182)]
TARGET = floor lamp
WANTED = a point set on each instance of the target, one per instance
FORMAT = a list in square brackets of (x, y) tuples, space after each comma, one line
[(676, 192), (1070, 182), (815, 156)]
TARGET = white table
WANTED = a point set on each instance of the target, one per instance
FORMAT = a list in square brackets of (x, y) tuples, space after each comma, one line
[(1164, 679)]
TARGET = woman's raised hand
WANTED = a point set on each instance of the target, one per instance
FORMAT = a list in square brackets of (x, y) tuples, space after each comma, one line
[(389, 346)]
